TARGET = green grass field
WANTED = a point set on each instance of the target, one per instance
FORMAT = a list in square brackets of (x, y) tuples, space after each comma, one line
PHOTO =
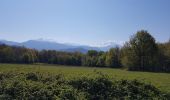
[(160, 80)]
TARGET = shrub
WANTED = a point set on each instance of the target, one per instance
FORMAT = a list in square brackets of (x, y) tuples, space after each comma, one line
[(45, 86), (102, 88), (32, 76)]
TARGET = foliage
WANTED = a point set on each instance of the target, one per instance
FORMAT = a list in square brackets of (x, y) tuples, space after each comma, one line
[(113, 58), (94, 59), (164, 56), (142, 53), (43, 86)]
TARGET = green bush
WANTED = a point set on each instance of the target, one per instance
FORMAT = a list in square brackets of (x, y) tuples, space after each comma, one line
[(102, 88), (32, 76), (45, 86)]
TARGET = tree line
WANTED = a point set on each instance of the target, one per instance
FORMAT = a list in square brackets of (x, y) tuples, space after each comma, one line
[(140, 53)]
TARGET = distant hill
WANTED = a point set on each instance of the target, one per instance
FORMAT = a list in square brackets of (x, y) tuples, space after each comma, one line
[(48, 45), (11, 43), (82, 50)]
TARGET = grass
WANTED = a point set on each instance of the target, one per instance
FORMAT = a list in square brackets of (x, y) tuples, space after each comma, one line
[(160, 80)]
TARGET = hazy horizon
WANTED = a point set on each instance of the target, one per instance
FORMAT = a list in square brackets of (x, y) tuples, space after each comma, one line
[(87, 22), (101, 44)]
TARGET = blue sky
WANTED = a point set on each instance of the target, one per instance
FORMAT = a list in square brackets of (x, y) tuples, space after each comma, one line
[(91, 22)]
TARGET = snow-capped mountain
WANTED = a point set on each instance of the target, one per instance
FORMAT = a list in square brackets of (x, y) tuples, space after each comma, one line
[(50, 45)]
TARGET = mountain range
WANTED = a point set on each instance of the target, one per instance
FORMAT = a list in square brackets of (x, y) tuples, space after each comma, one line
[(48, 45)]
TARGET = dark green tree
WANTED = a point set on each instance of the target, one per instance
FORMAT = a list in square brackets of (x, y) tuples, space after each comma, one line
[(92, 53), (164, 56), (141, 52), (113, 57), (101, 60)]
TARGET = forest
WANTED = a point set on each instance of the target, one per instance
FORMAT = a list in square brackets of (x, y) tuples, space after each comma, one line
[(140, 53)]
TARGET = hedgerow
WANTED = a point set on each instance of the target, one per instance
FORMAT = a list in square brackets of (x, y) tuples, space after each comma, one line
[(45, 86)]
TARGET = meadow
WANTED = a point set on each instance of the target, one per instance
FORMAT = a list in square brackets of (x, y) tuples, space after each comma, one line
[(160, 80)]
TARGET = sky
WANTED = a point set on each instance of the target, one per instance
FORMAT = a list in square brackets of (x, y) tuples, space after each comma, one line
[(90, 22)]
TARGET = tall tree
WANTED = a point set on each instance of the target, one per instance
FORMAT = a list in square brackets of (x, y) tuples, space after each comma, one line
[(142, 52), (164, 56), (113, 57)]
